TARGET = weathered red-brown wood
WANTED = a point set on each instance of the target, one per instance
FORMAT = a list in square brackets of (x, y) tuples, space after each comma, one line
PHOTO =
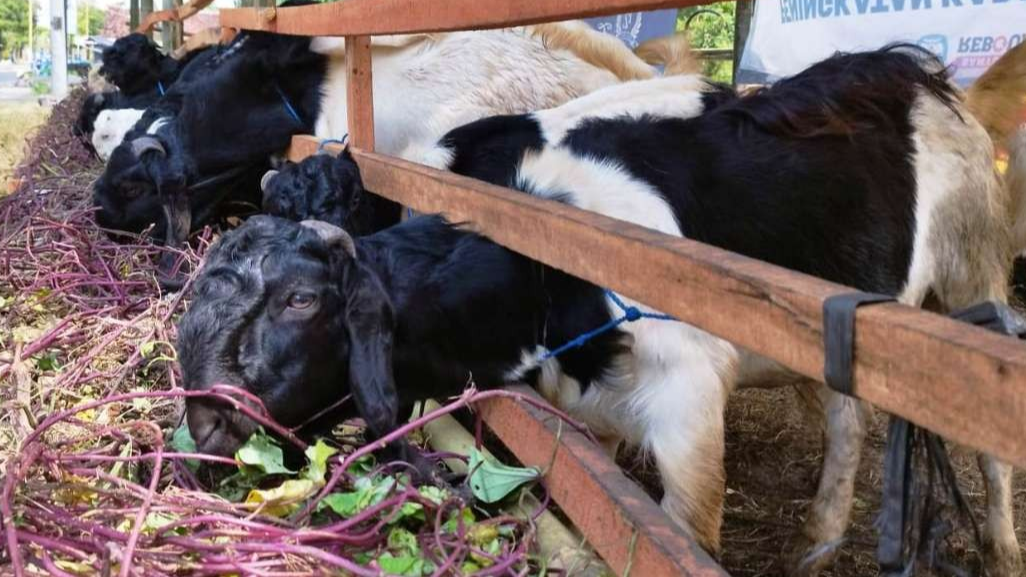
[(176, 15), (963, 382), (372, 17), (616, 517), (360, 92)]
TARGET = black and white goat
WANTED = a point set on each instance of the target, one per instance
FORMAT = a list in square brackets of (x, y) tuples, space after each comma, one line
[(267, 88), (867, 170), (106, 117)]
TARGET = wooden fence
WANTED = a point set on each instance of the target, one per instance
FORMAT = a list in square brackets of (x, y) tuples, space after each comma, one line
[(962, 382)]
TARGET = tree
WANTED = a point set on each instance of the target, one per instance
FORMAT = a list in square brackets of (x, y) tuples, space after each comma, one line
[(14, 25), (97, 18), (711, 26), (115, 24)]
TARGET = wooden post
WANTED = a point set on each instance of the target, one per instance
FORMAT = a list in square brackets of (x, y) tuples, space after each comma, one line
[(167, 29), (743, 10), (133, 15), (145, 8), (360, 92)]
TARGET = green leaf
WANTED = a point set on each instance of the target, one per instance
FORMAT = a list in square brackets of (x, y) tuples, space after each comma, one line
[(318, 456), (362, 466), (182, 442), (452, 524), (47, 362), (402, 565), (402, 541), (263, 453), (146, 349), (433, 494), (491, 481), (344, 504)]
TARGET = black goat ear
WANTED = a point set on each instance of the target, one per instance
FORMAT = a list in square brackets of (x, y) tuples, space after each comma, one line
[(370, 327)]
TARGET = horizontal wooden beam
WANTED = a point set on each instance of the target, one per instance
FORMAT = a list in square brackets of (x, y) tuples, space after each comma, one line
[(371, 17), (963, 382), (175, 14), (629, 531)]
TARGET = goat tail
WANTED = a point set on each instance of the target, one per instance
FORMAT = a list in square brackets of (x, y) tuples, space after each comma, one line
[(596, 48), (673, 52), (998, 98)]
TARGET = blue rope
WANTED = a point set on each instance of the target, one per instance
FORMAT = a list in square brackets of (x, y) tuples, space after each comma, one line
[(630, 314), (288, 105), (327, 141), (160, 88)]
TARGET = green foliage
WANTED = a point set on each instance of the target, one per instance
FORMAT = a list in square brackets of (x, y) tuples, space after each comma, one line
[(263, 453), (96, 19), (711, 26), (14, 24), (491, 481)]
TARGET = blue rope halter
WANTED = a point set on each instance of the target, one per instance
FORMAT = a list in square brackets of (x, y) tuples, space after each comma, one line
[(288, 105), (630, 314)]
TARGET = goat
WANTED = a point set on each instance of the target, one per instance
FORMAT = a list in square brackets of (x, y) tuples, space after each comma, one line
[(867, 169), (268, 88), (135, 65), (192, 65), (297, 311), (110, 128)]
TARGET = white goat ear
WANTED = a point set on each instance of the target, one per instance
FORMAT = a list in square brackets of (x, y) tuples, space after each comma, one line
[(332, 235), (266, 179)]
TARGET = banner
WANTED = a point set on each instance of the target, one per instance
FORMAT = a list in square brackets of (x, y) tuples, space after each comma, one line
[(637, 27), (968, 35)]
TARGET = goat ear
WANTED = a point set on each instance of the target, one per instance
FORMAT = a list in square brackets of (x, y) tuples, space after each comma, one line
[(370, 325)]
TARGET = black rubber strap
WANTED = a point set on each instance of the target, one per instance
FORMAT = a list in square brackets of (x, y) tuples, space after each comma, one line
[(839, 337), (997, 317)]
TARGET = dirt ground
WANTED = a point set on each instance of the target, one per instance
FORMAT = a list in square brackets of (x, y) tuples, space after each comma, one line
[(773, 460)]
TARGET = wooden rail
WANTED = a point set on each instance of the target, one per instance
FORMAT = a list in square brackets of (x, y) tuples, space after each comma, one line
[(962, 382), (374, 17), (177, 14), (624, 526), (966, 383)]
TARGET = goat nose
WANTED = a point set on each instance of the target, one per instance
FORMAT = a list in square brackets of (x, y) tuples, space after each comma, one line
[(204, 422)]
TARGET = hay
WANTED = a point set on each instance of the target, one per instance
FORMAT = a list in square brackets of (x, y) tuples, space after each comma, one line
[(96, 478)]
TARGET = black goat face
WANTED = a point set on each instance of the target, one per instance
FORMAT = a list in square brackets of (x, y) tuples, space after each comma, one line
[(132, 64), (287, 312), (321, 188), (135, 186)]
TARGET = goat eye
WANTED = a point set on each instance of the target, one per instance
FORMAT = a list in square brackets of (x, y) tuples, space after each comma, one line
[(130, 192), (300, 301)]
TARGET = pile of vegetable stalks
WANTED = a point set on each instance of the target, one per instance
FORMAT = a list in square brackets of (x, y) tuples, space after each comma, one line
[(100, 478)]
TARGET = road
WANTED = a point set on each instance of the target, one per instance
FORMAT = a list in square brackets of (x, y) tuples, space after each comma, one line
[(8, 76)]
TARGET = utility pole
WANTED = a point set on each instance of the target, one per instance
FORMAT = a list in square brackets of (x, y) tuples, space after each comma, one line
[(58, 50)]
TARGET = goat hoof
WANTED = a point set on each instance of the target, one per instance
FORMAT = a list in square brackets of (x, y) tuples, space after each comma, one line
[(807, 558), (1003, 559)]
